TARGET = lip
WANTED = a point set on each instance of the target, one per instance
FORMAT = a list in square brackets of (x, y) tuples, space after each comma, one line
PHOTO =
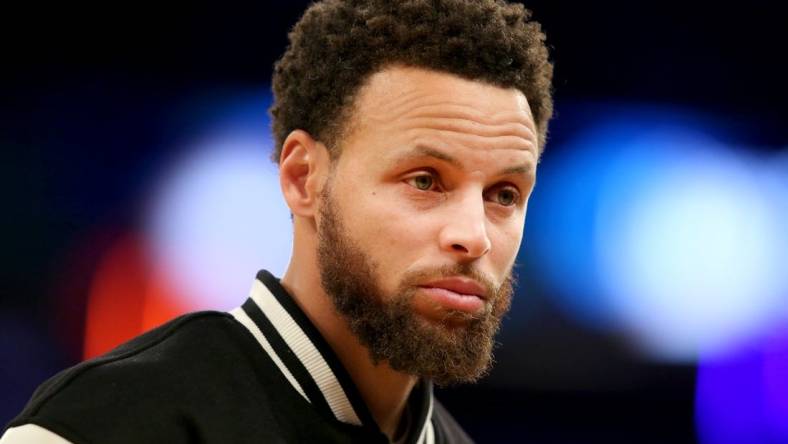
[(460, 285)]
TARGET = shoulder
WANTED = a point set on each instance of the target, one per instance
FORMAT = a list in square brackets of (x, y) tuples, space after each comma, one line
[(156, 356), (447, 430), (169, 373)]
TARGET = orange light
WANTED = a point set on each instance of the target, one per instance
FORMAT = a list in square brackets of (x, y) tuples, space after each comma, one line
[(125, 299)]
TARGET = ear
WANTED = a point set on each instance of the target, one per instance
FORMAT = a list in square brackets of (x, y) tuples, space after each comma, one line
[(303, 167)]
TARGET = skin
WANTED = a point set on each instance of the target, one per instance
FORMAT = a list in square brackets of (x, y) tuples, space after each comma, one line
[(435, 170)]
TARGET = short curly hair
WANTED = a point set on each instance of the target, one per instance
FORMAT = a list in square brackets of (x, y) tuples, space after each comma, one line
[(338, 44)]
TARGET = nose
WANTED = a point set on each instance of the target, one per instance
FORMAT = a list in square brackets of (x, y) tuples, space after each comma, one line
[(464, 234)]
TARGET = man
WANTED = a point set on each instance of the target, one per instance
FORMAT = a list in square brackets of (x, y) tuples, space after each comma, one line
[(408, 135)]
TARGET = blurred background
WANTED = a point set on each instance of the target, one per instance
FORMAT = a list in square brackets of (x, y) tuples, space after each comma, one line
[(653, 296)]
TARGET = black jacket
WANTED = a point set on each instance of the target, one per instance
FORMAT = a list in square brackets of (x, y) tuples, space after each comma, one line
[(261, 373)]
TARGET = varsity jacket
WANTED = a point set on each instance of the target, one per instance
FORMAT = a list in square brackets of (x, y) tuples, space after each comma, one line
[(261, 373)]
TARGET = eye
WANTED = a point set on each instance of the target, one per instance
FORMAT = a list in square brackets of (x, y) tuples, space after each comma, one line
[(423, 181), (505, 195)]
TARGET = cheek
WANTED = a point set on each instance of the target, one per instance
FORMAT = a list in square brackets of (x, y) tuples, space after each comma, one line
[(391, 232), (506, 243), (394, 241)]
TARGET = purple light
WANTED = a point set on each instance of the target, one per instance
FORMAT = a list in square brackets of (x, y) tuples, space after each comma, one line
[(775, 381), (743, 397)]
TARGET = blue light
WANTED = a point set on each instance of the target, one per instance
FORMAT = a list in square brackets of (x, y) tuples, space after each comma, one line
[(685, 245), (646, 224), (559, 245), (219, 215)]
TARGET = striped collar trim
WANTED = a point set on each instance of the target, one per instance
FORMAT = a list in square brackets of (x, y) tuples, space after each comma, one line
[(306, 360)]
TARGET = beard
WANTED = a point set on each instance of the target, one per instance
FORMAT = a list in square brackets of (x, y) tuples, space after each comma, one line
[(458, 348)]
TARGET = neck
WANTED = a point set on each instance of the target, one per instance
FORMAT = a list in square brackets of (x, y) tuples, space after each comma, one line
[(302, 281)]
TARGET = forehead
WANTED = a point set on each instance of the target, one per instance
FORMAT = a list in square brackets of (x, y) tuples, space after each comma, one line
[(401, 103)]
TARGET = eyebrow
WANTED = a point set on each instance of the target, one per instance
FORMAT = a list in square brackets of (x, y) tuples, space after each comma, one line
[(426, 151)]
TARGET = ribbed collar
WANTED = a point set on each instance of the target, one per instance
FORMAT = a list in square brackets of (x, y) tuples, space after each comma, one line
[(310, 365)]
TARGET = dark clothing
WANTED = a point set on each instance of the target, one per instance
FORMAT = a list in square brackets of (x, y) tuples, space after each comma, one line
[(261, 373)]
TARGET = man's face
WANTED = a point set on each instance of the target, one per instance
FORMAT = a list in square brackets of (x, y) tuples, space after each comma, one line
[(422, 217)]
